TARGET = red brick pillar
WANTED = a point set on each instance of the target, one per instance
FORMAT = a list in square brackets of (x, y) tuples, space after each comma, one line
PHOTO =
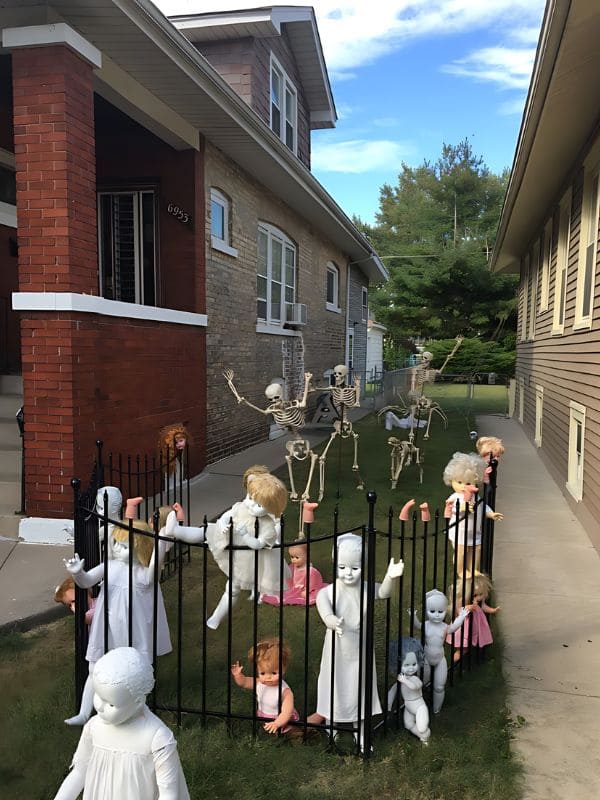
[(57, 233)]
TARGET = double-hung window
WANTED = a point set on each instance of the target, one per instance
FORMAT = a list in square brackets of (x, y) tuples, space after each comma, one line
[(586, 272), (275, 274), (220, 227), (8, 189), (127, 245), (333, 288), (562, 263), (284, 106), (576, 449)]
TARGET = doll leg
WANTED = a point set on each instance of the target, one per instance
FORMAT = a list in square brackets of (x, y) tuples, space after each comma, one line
[(440, 675), (460, 559), (409, 721), (222, 608), (422, 729), (87, 701)]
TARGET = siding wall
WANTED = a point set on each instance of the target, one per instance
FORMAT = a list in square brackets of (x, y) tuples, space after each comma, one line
[(566, 365)]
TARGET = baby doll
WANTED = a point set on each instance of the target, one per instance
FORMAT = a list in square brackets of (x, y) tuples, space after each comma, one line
[(463, 472), (125, 751), (266, 499), (295, 595), (172, 441), (65, 594), (416, 713), (117, 587), (344, 621), (476, 631), (436, 629), (268, 681)]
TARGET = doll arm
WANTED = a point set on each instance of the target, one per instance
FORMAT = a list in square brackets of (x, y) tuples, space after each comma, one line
[(489, 609), (454, 626), (285, 715), (411, 681), (183, 533), (325, 609), (73, 784), (167, 766), (241, 680), (416, 621), (393, 572), (83, 579), (495, 515)]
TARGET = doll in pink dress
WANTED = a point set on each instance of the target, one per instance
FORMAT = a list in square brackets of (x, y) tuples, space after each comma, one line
[(476, 630), (302, 575)]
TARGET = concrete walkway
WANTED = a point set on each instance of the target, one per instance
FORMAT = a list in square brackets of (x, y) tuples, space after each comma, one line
[(547, 580)]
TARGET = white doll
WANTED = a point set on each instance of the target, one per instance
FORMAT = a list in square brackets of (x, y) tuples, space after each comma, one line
[(463, 472), (118, 602), (344, 621), (416, 713), (125, 751), (114, 504), (266, 500), (436, 630)]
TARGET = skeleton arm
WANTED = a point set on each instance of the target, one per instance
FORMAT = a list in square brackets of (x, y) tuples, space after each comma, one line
[(459, 341), (228, 375), (357, 390), (307, 380)]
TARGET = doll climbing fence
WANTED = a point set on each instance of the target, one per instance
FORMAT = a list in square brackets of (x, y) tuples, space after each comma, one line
[(196, 680)]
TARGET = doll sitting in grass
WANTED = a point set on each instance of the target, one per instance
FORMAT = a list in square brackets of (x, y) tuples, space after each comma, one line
[(274, 698)]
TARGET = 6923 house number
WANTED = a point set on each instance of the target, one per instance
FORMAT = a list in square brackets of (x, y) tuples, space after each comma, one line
[(179, 213)]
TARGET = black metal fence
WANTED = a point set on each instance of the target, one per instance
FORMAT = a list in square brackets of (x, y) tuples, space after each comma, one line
[(195, 679)]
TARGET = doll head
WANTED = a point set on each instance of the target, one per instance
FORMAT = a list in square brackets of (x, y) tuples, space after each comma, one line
[(122, 678), (489, 447), (114, 501), (65, 593), (163, 513), (436, 605), (474, 588), (297, 553), (411, 658), (142, 545), (252, 472), (463, 469), (172, 440), (266, 660), (269, 492), (349, 559)]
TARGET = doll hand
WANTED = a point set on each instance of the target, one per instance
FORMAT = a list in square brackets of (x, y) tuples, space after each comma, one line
[(464, 612), (74, 565), (251, 541), (271, 727), (496, 515), (335, 623), (395, 568), (237, 670)]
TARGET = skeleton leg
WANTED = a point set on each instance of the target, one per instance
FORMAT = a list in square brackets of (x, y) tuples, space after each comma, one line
[(400, 465), (361, 483), (313, 461), (293, 493), (322, 460)]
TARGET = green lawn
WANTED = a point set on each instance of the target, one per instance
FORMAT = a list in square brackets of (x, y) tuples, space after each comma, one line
[(468, 757)]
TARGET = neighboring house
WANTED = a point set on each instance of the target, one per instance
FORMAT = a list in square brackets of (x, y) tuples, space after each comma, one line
[(549, 234), (168, 228), (375, 334)]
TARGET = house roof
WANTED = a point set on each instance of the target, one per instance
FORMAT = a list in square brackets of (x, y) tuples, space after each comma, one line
[(301, 27), (153, 72), (561, 112)]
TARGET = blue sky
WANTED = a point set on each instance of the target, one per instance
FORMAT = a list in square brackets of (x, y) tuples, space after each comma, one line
[(409, 75)]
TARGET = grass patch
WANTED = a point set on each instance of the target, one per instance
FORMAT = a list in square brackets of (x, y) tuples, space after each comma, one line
[(468, 757)]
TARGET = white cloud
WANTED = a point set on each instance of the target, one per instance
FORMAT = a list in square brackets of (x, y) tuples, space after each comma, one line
[(512, 106), (508, 68), (358, 155)]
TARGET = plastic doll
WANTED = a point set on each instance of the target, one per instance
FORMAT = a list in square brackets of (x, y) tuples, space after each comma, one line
[(489, 447), (463, 472), (295, 595), (266, 666), (172, 441), (416, 713), (125, 751), (436, 630), (118, 603), (476, 631), (114, 506), (344, 621), (65, 594)]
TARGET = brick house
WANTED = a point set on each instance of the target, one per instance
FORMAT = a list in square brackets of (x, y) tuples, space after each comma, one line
[(548, 233), (159, 223)]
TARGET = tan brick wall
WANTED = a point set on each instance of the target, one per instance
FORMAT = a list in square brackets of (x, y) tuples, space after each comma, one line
[(232, 341)]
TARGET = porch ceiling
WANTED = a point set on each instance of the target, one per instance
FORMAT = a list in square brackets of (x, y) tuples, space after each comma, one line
[(143, 43), (561, 113)]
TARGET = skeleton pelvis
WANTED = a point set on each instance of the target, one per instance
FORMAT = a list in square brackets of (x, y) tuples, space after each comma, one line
[(298, 449), (343, 428)]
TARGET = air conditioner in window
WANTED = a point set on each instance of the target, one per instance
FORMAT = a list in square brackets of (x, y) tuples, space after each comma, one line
[(295, 313)]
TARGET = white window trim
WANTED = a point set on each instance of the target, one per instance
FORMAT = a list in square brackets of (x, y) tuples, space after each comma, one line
[(364, 306), (574, 482), (561, 277), (521, 416), (270, 325), (273, 329), (286, 82), (525, 298), (222, 245), (335, 306), (591, 169), (546, 259), (534, 271), (350, 347), (539, 415)]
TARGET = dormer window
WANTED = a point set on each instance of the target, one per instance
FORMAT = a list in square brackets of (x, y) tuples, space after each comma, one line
[(284, 106)]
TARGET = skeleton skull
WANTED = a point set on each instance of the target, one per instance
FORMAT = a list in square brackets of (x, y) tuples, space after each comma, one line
[(339, 373), (274, 392)]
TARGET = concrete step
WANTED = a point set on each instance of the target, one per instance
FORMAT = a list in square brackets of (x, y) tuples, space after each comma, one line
[(11, 384), (9, 525)]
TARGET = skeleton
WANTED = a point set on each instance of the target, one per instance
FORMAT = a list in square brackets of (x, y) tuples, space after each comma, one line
[(404, 453), (345, 397), (419, 408), (290, 414)]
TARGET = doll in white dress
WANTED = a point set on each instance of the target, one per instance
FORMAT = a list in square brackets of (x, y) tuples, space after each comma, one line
[(142, 611), (344, 621), (125, 751)]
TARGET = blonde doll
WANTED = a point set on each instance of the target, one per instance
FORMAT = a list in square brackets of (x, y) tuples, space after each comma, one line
[(125, 751), (117, 588), (476, 631), (269, 684)]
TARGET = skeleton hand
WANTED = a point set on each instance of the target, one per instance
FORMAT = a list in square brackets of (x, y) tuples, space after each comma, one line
[(228, 375), (74, 565), (395, 569)]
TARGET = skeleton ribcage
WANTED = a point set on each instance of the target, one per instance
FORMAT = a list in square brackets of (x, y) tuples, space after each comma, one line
[(290, 417), (347, 396)]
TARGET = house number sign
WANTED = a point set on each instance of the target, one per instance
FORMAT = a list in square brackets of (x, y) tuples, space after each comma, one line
[(179, 213)]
